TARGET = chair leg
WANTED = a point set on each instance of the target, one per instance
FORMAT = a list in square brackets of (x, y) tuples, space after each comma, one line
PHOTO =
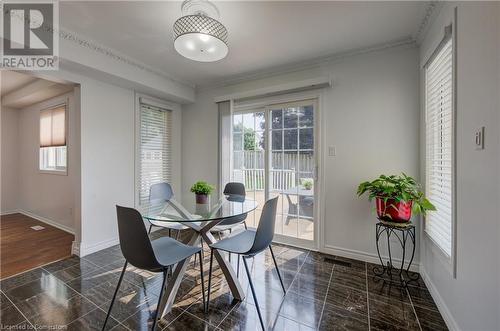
[(210, 277), (245, 224), (159, 300), (195, 256), (170, 232), (238, 268), (114, 295), (230, 253), (202, 282), (150, 227), (277, 269), (253, 293)]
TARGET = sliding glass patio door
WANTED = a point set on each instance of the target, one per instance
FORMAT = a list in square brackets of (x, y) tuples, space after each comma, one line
[(249, 157), (292, 168), (274, 155)]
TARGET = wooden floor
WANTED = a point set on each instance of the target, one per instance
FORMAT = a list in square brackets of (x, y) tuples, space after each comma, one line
[(23, 248)]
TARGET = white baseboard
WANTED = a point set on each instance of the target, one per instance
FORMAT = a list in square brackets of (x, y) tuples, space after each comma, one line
[(362, 256), (443, 308), (9, 212), (75, 248), (86, 249), (47, 221)]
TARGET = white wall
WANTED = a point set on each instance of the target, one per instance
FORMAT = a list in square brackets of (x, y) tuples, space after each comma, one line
[(472, 300), (49, 196), (87, 58), (9, 120), (371, 116), (107, 117), (107, 160)]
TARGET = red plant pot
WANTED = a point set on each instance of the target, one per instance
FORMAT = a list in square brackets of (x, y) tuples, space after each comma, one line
[(394, 211), (201, 199)]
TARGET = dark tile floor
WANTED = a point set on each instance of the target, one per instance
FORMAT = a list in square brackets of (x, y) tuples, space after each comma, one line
[(322, 294)]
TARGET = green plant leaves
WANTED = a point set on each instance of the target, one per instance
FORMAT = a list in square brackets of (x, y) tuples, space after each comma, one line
[(427, 205), (398, 187), (202, 187)]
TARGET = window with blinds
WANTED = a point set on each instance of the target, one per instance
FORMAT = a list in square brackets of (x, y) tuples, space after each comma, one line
[(154, 148), (53, 150), (439, 124)]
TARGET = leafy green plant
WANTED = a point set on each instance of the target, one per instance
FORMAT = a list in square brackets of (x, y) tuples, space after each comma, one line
[(307, 183), (398, 188), (202, 187)]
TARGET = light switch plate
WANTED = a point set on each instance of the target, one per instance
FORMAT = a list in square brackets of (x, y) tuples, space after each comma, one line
[(479, 138), (332, 151)]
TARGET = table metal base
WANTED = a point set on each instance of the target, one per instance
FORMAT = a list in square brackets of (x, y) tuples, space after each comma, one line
[(201, 232)]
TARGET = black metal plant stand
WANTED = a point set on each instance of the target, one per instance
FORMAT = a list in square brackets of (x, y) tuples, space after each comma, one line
[(403, 232)]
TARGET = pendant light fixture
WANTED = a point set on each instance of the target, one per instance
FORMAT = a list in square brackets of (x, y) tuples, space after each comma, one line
[(198, 35)]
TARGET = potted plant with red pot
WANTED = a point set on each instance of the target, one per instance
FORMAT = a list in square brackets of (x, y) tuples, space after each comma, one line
[(396, 197)]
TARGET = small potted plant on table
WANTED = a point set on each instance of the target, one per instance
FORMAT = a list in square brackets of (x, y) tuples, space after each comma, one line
[(307, 183), (396, 197), (202, 190)]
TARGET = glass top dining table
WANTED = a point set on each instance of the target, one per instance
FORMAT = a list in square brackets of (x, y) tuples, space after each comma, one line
[(188, 210), (201, 219)]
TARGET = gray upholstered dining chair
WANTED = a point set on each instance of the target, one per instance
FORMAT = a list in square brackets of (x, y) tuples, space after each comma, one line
[(155, 256), (159, 193), (235, 190), (249, 243)]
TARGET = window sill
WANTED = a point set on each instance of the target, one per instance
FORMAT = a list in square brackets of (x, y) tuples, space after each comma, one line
[(54, 172)]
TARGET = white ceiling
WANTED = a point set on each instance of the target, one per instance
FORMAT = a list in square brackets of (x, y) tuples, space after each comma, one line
[(262, 35), (21, 90), (12, 80)]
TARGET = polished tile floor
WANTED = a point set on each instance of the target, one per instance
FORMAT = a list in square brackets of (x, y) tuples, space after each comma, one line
[(323, 293)]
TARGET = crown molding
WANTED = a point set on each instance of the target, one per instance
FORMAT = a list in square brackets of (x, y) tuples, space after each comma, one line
[(93, 46), (431, 11), (407, 42)]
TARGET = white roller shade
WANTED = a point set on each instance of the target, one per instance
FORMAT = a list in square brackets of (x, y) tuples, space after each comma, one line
[(439, 124), (53, 127), (155, 148)]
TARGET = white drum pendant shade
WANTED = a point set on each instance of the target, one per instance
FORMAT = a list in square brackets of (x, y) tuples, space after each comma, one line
[(201, 38)]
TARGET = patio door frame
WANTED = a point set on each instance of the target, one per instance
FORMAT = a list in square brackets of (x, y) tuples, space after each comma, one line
[(266, 105)]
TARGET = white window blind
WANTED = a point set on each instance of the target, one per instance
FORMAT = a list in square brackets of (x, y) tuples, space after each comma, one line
[(439, 124), (53, 127), (155, 148), (53, 151)]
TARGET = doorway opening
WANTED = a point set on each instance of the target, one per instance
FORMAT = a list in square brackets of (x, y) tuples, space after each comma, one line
[(40, 150)]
